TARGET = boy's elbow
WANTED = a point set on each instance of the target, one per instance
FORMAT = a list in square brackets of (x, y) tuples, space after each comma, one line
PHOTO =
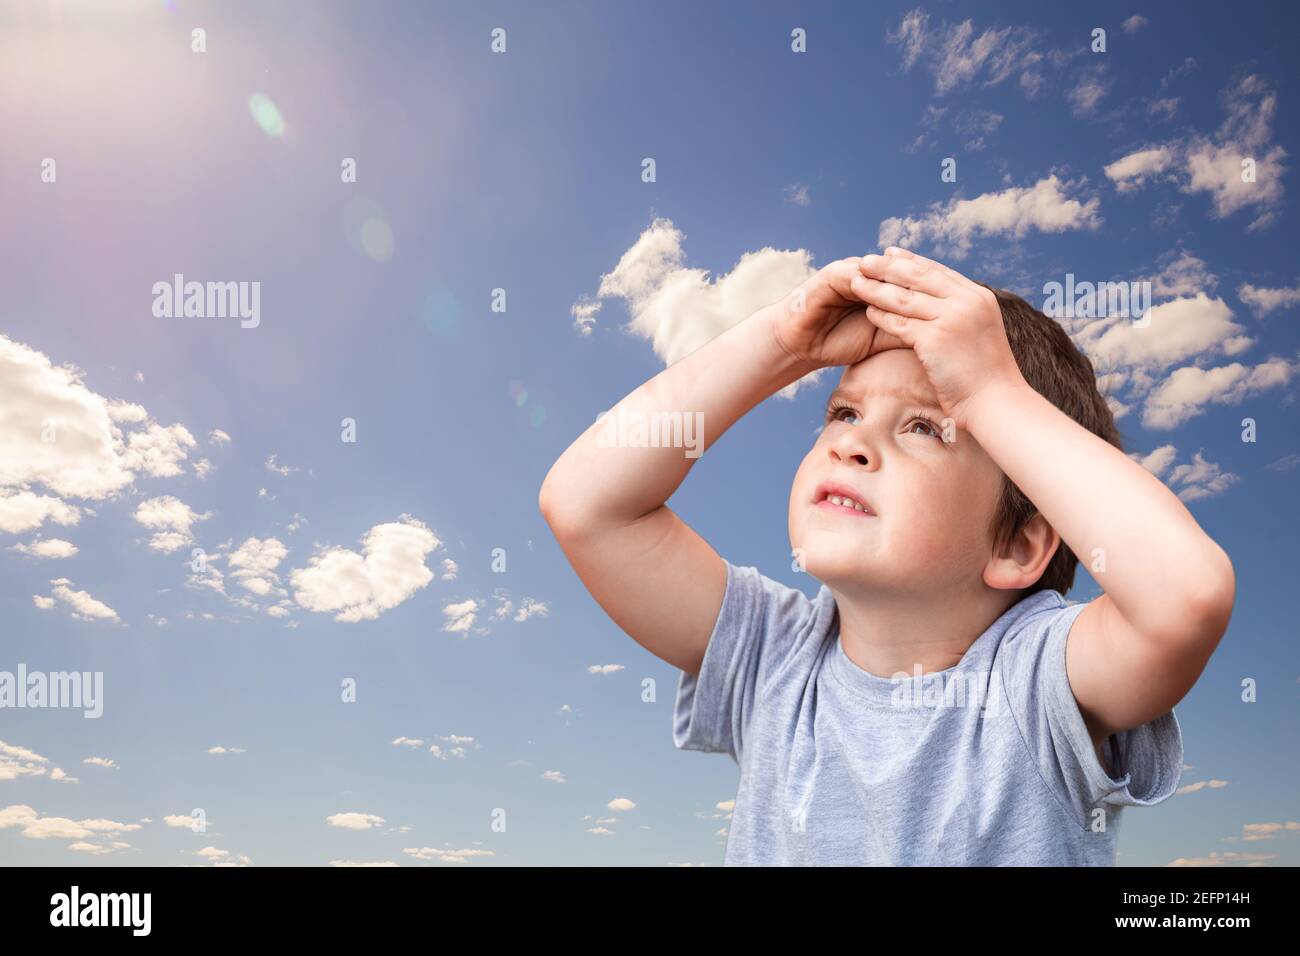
[(556, 514), (546, 500), (1213, 599)]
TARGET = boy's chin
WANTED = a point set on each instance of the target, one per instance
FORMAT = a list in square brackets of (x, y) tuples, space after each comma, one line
[(841, 573)]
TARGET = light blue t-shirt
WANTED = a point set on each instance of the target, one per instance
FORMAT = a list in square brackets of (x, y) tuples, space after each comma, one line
[(986, 763)]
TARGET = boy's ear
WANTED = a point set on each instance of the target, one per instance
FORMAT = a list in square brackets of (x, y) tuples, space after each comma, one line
[(1025, 558)]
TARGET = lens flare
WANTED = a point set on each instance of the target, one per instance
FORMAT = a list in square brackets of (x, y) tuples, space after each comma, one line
[(377, 239), (367, 230), (266, 114), (440, 312)]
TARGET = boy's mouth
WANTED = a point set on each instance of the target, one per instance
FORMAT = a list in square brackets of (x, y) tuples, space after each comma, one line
[(837, 496)]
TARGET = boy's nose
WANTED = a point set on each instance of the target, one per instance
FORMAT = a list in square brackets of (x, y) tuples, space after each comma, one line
[(850, 447)]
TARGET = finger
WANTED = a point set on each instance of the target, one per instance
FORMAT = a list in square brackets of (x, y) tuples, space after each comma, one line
[(837, 275), (902, 253), (901, 327), (895, 298), (912, 272), (841, 274)]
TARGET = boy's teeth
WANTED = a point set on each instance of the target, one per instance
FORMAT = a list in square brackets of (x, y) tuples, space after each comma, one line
[(846, 502)]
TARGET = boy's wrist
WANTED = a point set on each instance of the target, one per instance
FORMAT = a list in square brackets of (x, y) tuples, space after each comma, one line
[(982, 407), (786, 367)]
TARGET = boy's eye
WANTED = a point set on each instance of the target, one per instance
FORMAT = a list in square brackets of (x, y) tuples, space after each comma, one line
[(842, 413)]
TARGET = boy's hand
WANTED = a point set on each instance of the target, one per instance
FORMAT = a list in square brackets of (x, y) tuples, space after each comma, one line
[(822, 322), (954, 325)]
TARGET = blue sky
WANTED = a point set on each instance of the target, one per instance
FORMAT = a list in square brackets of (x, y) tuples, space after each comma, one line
[(522, 171)]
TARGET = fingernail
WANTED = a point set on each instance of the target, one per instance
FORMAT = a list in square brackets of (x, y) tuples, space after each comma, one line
[(870, 259)]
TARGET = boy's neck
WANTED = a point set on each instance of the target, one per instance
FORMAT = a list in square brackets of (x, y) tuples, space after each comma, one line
[(889, 635)]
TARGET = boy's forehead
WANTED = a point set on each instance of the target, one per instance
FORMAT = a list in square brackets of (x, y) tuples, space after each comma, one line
[(895, 371)]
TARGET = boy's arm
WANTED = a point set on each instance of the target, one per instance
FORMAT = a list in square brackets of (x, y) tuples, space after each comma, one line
[(1134, 652), (655, 577)]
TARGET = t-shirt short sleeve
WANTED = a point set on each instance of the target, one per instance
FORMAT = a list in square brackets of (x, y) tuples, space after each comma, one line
[(759, 626), (1148, 759)]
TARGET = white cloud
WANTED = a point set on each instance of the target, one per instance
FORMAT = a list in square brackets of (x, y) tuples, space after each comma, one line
[(1134, 23), (1262, 831), (971, 122), (83, 606), (26, 510), (222, 857), (956, 54), (158, 451), (1182, 274), (457, 746), (449, 569), (1192, 481), (460, 617), (1264, 300), (797, 194), (554, 776), (951, 226), (584, 314), (679, 309), (1138, 168), (218, 437), (354, 821), (1164, 107), (367, 863), (32, 825), (446, 854), (18, 762), (357, 587), (253, 565), (1187, 390), (272, 465), (911, 36), (1228, 858), (1216, 164), (604, 668), (71, 442), (101, 762), (172, 520), (620, 805), (527, 607), (46, 548), (219, 750), (1085, 95), (99, 849), (1174, 331), (408, 742)]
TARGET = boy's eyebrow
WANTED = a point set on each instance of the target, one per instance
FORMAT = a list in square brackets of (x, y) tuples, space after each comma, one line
[(896, 392)]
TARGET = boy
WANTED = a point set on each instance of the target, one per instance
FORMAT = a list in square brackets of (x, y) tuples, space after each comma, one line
[(937, 702)]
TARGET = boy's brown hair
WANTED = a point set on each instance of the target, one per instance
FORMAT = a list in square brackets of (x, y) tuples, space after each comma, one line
[(1056, 369)]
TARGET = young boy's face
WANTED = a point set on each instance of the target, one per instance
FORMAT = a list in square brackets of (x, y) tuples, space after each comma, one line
[(932, 500)]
